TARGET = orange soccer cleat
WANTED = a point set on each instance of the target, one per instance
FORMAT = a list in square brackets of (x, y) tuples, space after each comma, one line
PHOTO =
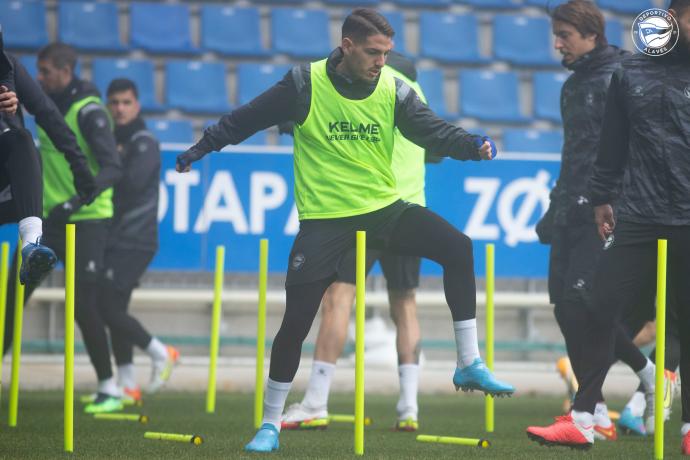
[(564, 432)]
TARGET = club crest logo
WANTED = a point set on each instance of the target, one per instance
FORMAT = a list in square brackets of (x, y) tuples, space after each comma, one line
[(686, 92), (609, 241), (655, 32), (297, 261)]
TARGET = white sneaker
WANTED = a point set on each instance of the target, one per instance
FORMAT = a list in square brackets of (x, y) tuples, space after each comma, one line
[(298, 416), (162, 369), (670, 391)]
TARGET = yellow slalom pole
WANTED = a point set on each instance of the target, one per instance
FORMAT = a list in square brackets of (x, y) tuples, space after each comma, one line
[(16, 341), (4, 270), (490, 286), (474, 442), (215, 329), (261, 334), (660, 349), (359, 342), (143, 419), (190, 438), (70, 248), (345, 418)]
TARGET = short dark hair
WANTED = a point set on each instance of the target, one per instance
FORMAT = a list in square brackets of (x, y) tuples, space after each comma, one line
[(584, 16), (679, 5), (60, 55), (365, 22), (120, 85)]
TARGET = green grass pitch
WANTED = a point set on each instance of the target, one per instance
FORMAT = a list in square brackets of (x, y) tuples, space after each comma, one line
[(39, 430)]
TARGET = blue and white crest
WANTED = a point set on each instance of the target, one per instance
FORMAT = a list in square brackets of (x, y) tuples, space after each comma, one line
[(655, 32)]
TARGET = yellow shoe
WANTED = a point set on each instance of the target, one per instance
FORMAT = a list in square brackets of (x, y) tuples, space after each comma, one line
[(409, 425)]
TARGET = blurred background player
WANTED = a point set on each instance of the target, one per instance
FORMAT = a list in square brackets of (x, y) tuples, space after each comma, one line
[(344, 182), (80, 104), (402, 278), (643, 139), (132, 240)]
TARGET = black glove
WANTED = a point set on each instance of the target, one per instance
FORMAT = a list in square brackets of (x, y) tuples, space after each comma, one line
[(60, 214), (185, 159), (84, 182), (544, 227)]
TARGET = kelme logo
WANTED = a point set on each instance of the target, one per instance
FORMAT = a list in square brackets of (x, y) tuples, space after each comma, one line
[(655, 32), (609, 241)]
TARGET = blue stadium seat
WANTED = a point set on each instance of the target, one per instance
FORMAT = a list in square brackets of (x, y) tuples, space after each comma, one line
[(160, 27), (196, 86), (547, 4), (254, 79), (397, 21), (30, 124), (614, 32), (92, 26), (24, 23), (490, 96), (172, 131), (300, 33), (353, 2), (628, 6), (258, 138), (231, 31), (140, 71), (547, 95), (449, 37), (431, 81), (502, 4), (424, 3), (523, 40), (532, 140), (29, 62)]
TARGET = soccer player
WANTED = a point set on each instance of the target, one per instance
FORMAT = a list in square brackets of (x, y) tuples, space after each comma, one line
[(642, 166), (402, 277), (132, 241), (345, 110), (578, 26), (80, 105)]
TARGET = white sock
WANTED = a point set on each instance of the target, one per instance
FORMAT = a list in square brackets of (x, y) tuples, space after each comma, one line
[(685, 429), (601, 415), (319, 387), (409, 381), (466, 341), (30, 230), (156, 350), (274, 401), (647, 376), (125, 376), (584, 419), (637, 404), (109, 387)]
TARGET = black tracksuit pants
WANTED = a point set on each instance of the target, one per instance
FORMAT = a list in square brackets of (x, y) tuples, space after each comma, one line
[(91, 237), (123, 269), (626, 274), (20, 168)]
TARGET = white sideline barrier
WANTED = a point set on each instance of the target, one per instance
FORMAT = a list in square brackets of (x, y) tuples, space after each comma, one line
[(274, 298)]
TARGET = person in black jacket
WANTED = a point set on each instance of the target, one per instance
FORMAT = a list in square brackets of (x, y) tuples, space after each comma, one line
[(345, 109), (79, 104), (575, 246), (132, 240), (642, 167), (21, 185)]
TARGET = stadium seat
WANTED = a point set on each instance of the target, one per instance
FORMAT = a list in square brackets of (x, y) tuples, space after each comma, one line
[(92, 26), (196, 86), (30, 124), (300, 33), (231, 31), (490, 96), (160, 27), (431, 81), (532, 140), (24, 23), (497, 4), (614, 32), (140, 71), (628, 6), (258, 138), (547, 95), (424, 3), (546, 4), (353, 2), (397, 21), (171, 131), (523, 40), (254, 79), (29, 62), (449, 37)]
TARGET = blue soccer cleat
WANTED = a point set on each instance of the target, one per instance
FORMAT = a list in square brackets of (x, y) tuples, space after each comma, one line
[(265, 440), (37, 262), (478, 377), (630, 424)]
